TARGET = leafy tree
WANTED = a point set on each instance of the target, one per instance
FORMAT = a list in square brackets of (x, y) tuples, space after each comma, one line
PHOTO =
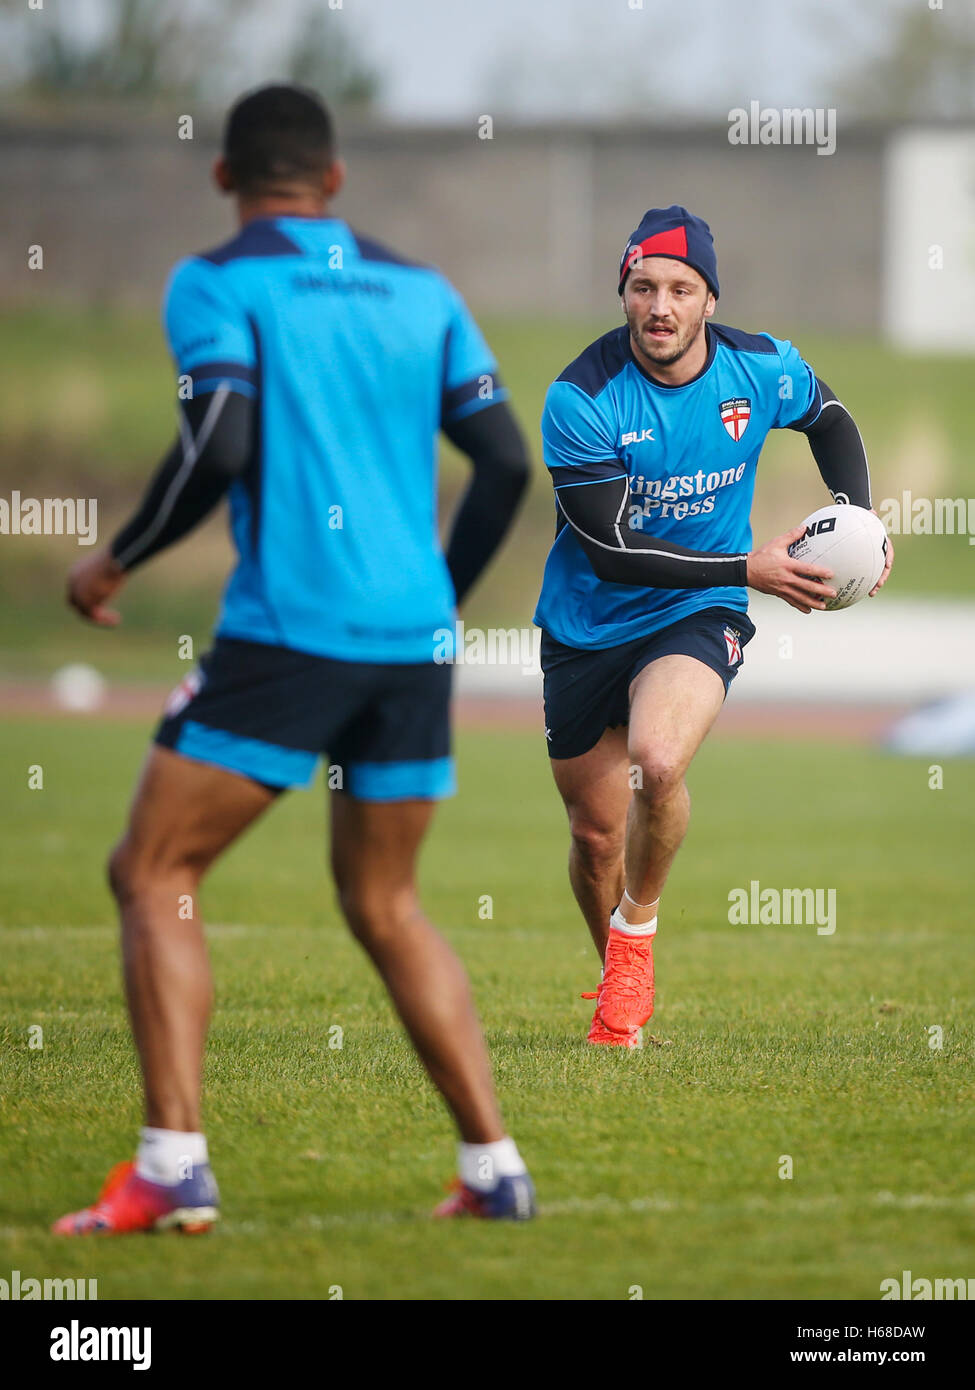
[(142, 49), (925, 70), (146, 49), (323, 57)]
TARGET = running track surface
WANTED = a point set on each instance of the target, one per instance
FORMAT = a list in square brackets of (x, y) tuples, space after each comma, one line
[(747, 719)]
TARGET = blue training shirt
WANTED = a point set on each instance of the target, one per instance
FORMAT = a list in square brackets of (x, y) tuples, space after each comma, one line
[(690, 453), (356, 358)]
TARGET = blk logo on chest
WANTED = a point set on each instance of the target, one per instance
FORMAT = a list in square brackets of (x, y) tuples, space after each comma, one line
[(637, 437)]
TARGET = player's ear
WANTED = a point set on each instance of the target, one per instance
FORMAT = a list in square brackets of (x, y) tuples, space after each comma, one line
[(334, 179), (222, 176), (710, 305)]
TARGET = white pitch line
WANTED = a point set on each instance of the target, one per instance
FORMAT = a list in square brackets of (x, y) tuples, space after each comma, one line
[(602, 1203)]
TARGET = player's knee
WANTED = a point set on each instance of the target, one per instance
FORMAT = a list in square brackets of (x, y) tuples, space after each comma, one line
[(656, 773), (594, 842), (130, 875), (358, 912), (373, 913), (133, 873), (120, 870)]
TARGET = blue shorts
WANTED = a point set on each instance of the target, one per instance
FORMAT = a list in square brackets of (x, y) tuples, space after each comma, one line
[(588, 691), (269, 713)]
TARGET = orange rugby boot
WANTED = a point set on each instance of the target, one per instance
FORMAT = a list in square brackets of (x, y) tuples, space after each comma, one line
[(600, 1035), (624, 1002), (128, 1202)]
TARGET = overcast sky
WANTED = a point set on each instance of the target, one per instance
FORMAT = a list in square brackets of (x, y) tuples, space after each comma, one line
[(441, 60)]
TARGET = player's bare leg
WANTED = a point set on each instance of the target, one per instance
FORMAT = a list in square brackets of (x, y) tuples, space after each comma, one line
[(595, 788), (624, 841), (185, 814), (673, 703), (374, 851)]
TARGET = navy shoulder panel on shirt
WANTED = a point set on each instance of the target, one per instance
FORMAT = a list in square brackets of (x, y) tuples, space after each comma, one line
[(738, 341), (371, 250), (601, 361), (258, 238)]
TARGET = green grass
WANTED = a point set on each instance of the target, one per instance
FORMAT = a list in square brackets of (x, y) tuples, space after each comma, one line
[(106, 414), (657, 1168)]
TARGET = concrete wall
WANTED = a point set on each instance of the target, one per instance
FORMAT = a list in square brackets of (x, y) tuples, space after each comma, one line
[(531, 221)]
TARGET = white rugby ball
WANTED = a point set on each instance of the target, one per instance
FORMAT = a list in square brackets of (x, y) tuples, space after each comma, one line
[(78, 688), (852, 543)]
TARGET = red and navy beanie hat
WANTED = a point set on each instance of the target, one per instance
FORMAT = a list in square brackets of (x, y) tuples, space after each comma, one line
[(677, 233)]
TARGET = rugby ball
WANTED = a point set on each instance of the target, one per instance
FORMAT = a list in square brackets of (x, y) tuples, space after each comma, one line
[(852, 543)]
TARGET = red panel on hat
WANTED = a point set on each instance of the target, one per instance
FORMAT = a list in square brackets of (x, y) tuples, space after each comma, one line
[(669, 243), (672, 243)]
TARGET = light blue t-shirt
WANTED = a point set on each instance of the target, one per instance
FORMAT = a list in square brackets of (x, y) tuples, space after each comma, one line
[(356, 358), (690, 453)]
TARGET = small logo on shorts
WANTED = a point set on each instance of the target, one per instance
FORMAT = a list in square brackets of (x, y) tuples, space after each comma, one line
[(179, 698), (733, 643)]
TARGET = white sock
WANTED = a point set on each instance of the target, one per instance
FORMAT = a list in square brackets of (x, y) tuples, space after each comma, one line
[(481, 1166), (619, 923), (169, 1155)]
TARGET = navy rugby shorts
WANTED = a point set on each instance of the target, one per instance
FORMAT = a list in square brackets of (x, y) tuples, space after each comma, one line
[(269, 713), (588, 690)]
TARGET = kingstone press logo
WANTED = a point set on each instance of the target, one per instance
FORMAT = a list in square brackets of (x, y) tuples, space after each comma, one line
[(672, 497), (50, 516)]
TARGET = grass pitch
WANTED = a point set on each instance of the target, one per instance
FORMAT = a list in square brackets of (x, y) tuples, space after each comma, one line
[(657, 1169)]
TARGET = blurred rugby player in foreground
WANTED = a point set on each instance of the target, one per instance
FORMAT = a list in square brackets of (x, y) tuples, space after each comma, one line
[(317, 368)]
